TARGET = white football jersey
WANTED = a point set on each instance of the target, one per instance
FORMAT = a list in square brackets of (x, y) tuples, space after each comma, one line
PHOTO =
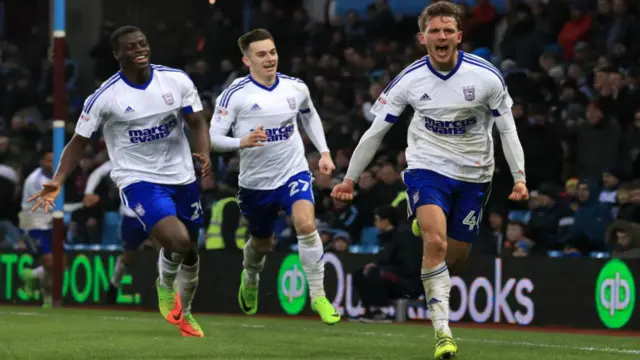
[(143, 126), (450, 132), (244, 106), (38, 220)]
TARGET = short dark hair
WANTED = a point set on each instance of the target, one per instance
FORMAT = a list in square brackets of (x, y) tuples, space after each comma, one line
[(440, 8), (387, 212), (120, 32), (252, 36), (45, 147)]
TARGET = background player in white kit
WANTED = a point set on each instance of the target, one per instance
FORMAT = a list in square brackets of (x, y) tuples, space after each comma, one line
[(262, 108), (132, 232), (142, 110), (456, 98), (39, 226)]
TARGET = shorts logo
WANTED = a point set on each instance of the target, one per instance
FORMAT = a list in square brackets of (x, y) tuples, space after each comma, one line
[(469, 92), (84, 117), (153, 133), (292, 103), (139, 210), (416, 198), (455, 127), (168, 99)]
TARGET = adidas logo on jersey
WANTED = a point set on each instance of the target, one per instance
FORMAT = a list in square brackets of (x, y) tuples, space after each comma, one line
[(425, 97), (129, 109), (255, 107)]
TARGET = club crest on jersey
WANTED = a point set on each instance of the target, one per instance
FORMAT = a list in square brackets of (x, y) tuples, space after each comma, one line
[(292, 103), (469, 92), (168, 99)]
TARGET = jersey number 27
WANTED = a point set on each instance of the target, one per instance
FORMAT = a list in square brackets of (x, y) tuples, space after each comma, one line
[(293, 186)]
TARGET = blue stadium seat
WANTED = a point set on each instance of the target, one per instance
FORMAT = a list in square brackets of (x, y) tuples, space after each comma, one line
[(555, 253), (369, 236), (111, 228)]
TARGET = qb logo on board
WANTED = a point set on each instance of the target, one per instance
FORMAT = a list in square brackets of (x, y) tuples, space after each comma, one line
[(292, 285), (615, 294)]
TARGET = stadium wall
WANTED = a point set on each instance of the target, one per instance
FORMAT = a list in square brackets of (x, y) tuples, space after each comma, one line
[(574, 293)]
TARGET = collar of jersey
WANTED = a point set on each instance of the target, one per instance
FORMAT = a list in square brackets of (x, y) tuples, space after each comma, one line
[(450, 73), (268, 88), (139, 87)]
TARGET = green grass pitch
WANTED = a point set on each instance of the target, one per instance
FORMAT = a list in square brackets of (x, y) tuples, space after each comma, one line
[(69, 334)]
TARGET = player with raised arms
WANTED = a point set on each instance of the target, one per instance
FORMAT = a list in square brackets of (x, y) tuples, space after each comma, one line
[(456, 98), (261, 109), (142, 110)]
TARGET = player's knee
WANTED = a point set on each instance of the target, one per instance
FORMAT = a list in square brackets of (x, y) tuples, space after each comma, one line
[(433, 240), (305, 226), (182, 244), (47, 262), (262, 245)]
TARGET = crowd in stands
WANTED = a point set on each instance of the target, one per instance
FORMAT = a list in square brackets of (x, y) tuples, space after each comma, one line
[(572, 68)]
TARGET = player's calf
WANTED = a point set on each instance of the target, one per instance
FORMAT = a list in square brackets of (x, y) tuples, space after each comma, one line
[(188, 275), (254, 255), (435, 273)]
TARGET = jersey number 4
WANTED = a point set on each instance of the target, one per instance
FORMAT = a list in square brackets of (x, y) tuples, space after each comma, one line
[(293, 187), (471, 220)]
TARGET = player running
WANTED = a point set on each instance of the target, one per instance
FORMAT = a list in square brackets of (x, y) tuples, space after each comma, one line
[(456, 98), (262, 108), (39, 226), (142, 110), (132, 232)]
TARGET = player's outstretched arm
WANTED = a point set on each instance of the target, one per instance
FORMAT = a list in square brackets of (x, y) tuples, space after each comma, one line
[(499, 102), (71, 156), (362, 156), (313, 126), (94, 109), (387, 109)]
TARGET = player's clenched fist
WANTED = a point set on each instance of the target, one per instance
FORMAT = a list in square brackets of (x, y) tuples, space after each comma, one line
[(255, 138), (343, 191), (519, 192), (326, 164)]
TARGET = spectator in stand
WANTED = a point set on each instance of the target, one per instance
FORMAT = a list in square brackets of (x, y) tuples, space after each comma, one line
[(599, 144), (547, 218), (591, 219), (491, 238), (396, 271)]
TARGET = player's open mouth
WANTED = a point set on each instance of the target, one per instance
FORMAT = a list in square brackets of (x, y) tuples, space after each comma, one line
[(142, 59), (442, 50), (269, 68)]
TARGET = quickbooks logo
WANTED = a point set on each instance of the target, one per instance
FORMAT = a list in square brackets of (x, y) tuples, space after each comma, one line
[(615, 294), (292, 285)]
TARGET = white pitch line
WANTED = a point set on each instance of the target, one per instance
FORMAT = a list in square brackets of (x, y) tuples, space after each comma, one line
[(552, 346)]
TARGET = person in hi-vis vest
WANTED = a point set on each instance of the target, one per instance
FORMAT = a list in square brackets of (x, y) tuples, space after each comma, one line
[(227, 228)]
